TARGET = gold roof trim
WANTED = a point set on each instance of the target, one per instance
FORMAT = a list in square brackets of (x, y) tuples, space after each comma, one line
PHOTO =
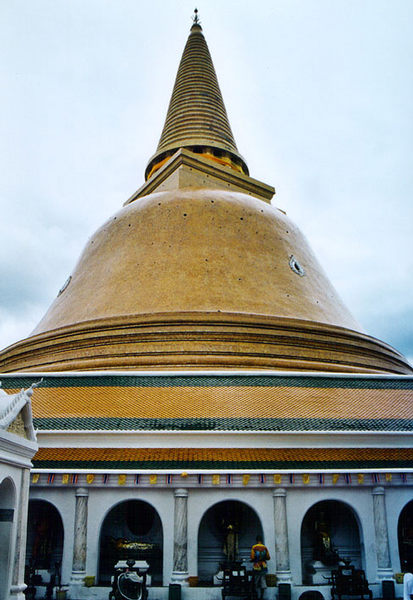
[(186, 169)]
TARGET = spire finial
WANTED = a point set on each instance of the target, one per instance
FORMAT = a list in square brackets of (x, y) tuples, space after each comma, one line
[(196, 117), (195, 18)]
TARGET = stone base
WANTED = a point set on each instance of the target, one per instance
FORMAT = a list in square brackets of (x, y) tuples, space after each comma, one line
[(180, 577), (385, 574), (17, 592), (219, 578), (320, 574), (77, 584), (210, 593), (283, 576)]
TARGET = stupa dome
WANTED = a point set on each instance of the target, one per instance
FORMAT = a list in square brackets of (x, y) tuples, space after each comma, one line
[(197, 250), (198, 269)]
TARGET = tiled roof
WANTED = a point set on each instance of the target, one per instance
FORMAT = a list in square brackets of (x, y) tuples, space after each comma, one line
[(219, 458), (227, 402)]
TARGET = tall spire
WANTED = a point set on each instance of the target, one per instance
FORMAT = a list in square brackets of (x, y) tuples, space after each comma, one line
[(196, 117)]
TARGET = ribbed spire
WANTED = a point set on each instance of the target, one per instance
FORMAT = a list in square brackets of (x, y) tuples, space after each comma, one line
[(196, 117)]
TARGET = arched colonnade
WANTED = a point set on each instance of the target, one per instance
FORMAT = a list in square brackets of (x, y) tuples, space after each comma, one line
[(183, 532)]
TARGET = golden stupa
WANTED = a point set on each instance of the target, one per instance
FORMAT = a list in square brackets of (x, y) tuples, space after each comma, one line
[(198, 269)]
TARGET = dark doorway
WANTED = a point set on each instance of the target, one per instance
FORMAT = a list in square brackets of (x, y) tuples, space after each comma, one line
[(229, 527), (329, 533), (312, 595), (131, 529), (7, 520), (405, 537), (44, 535)]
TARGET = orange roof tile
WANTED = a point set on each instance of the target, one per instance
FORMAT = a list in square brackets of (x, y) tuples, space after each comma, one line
[(221, 402), (265, 458), (118, 402)]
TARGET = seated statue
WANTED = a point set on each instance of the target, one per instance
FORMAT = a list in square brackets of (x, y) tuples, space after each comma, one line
[(134, 549)]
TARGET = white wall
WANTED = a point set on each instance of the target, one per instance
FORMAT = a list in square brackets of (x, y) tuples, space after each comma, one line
[(9, 488), (299, 499)]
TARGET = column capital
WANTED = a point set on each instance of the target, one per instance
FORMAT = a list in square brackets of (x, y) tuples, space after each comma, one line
[(181, 493), (378, 490), (81, 491), (279, 492)]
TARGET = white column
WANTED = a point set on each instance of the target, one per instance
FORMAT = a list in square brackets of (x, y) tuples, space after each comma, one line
[(79, 541), (384, 570), (282, 554), (180, 567), (18, 586)]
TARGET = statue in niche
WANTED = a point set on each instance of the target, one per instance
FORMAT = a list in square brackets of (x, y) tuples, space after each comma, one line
[(231, 542), (323, 548), (134, 549)]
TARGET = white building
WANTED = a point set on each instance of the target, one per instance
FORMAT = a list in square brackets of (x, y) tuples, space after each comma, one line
[(17, 447)]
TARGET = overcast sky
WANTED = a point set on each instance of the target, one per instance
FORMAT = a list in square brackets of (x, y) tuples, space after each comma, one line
[(319, 97)]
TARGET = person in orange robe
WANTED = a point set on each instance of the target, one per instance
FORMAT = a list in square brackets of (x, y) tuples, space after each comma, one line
[(259, 557)]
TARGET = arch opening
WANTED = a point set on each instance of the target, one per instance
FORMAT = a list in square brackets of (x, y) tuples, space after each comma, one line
[(329, 535), (311, 595), (405, 538), (45, 535), (7, 518), (131, 529), (226, 533)]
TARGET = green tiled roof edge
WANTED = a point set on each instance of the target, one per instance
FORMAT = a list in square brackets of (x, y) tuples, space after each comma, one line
[(65, 381), (239, 465), (221, 424)]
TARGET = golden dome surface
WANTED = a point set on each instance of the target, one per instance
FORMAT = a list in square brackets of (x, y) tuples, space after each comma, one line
[(197, 250), (195, 277), (198, 270)]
